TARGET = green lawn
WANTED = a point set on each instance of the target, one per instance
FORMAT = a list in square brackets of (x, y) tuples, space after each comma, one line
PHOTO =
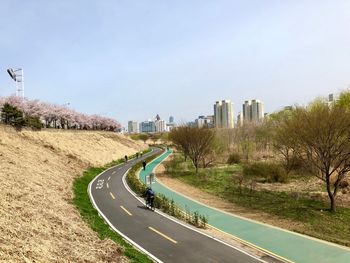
[(313, 215), (90, 215)]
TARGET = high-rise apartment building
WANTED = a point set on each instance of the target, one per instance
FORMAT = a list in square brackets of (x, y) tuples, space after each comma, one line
[(253, 111), (223, 114), (133, 127), (160, 125), (171, 119)]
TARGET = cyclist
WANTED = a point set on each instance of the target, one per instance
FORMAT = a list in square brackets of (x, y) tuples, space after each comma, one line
[(150, 198)]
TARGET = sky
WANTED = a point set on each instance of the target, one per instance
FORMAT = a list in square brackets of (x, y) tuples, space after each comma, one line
[(133, 59)]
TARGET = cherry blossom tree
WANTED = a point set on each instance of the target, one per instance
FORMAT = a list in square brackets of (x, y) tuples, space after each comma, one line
[(58, 116)]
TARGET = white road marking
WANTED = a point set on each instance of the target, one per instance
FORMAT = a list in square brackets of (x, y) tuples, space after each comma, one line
[(126, 211)]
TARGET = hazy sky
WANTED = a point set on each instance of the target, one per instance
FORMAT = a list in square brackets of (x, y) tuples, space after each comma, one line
[(134, 59)]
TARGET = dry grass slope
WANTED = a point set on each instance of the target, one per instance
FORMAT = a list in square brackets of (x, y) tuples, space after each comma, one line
[(38, 221)]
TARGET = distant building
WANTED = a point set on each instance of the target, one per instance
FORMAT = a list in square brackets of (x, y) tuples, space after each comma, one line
[(210, 121), (240, 119), (223, 114), (171, 119), (160, 125), (133, 127), (332, 98), (148, 126), (253, 111), (191, 124), (170, 126), (204, 121)]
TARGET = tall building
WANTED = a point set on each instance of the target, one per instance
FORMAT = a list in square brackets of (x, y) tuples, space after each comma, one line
[(253, 111), (247, 112), (160, 125), (171, 119), (133, 127), (223, 114), (148, 126)]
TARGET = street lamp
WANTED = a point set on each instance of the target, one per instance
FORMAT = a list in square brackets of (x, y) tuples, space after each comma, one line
[(18, 76)]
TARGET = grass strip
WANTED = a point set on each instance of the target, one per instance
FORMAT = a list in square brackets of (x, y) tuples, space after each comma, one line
[(163, 203), (90, 216), (311, 216)]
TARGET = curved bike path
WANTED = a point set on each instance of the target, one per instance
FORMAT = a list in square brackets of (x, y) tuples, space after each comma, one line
[(285, 244), (163, 239)]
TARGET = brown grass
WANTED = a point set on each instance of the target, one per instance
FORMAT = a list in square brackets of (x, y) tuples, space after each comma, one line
[(38, 220)]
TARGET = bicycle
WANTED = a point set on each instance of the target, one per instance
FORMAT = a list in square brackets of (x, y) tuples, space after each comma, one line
[(150, 203)]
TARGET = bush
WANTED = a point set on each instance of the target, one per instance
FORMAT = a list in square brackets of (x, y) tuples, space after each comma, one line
[(33, 122), (270, 172), (234, 158)]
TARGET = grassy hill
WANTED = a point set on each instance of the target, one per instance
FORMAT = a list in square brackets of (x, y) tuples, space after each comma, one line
[(38, 220)]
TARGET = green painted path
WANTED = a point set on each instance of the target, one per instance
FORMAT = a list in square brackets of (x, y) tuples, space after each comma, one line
[(289, 245)]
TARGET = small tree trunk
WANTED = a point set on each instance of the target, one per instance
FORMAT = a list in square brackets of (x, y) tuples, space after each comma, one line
[(330, 194)]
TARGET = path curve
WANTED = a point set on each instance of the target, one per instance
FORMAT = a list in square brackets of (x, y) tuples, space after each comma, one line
[(164, 240)]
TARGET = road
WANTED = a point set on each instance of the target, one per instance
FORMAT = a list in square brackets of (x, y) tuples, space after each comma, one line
[(163, 239)]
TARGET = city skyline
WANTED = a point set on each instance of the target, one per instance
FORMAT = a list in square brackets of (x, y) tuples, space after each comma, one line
[(130, 60), (255, 107)]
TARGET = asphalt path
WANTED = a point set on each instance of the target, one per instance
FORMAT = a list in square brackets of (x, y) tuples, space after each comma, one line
[(163, 239)]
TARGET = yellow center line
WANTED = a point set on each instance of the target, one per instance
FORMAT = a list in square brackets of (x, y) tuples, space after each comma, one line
[(107, 185), (126, 211), (163, 235), (112, 195)]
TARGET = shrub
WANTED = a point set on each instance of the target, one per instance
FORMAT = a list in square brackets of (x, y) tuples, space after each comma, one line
[(270, 172), (12, 115), (234, 158), (162, 202), (33, 122)]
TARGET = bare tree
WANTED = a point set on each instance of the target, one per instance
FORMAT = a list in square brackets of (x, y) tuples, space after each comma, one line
[(321, 135), (194, 142)]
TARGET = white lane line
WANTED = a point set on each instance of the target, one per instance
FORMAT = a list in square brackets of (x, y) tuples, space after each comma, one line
[(112, 226), (163, 235), (113, 172), (112, 195), (109, 178), (183, 224), (107, 185), (125, 210)]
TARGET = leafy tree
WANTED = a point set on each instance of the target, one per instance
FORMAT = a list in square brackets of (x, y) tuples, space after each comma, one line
[(320, 134)]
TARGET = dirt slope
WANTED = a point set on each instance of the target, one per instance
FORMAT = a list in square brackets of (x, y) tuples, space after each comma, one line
[(38, 222)]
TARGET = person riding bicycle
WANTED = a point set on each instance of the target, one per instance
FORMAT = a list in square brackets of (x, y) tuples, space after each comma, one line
[(149, 197)]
